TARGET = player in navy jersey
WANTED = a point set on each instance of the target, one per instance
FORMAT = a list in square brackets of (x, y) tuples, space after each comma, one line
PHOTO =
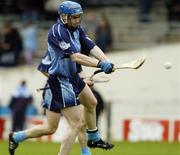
[(67, 46)]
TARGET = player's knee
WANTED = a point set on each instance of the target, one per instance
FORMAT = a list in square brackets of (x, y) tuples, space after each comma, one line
[(78, 126), (92, 104), (51, 129)]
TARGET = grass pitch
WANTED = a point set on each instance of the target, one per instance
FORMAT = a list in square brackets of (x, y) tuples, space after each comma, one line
[(121, 148)]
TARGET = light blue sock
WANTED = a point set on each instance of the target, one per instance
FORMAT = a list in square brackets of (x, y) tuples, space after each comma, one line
[(19, 136), (93, 135), (85, 151)]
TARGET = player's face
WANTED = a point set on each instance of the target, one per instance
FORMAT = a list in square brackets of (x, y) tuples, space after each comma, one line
[(75, 20)]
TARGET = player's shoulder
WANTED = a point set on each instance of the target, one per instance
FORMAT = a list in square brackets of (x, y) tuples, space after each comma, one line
[(58, 30)]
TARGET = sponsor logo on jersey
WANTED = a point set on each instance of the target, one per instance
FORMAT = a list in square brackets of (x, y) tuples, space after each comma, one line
[(64, 45)]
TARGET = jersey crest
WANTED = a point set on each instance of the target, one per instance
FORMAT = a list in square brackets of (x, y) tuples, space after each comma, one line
[(64, 45)]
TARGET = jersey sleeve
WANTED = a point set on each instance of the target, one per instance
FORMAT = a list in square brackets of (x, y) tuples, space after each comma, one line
[(86, 43), (45, 63)]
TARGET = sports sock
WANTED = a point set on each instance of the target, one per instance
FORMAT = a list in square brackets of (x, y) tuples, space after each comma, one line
[(93, 135), (19, 136), (85, 151)]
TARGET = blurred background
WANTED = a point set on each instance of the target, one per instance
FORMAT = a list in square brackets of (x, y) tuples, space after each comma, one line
[(139, 105)]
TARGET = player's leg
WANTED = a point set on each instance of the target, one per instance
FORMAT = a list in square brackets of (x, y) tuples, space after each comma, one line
[(82, 136), (47, 128), (39, 130), (89, 101), (74, 120)]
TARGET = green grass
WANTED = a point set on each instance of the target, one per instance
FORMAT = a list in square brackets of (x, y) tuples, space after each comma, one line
[(121, 148)]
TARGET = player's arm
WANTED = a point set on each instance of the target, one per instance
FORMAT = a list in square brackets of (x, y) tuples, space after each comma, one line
[(84, 60), (89, 47), (98, 53)]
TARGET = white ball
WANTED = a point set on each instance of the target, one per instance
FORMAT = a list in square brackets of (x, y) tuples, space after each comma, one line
[(167, 65)]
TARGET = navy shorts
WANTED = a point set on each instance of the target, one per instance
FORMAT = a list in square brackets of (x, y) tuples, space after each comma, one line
[(63, 92)]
